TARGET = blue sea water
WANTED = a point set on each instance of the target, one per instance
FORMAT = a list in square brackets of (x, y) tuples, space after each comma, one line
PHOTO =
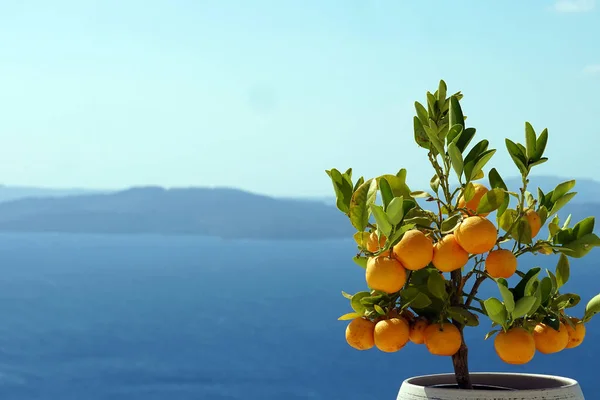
[(149, 317)]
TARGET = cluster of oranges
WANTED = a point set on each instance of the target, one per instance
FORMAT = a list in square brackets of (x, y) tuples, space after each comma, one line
[(392, 334), (475, 235), (518, 346)]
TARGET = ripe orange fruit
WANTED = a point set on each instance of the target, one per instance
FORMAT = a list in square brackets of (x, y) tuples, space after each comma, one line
[(515, 346), (476, 235), (385, 274), (391, 334), (472, 204), (442, 340), (575, 335), (414, 250), (548, 340), (417, 331), (375, 243), (501, 263), (535, 223), (360, 334), (448, 255)]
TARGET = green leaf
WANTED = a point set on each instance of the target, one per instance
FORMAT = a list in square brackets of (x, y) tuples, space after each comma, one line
[(450, 224), (553, 280), (479, 175), (522, 231), (529, 199), (507, 296), (381, 219), (463, 316), (395, 211), (537, 294), (356, 304), (523, 306), (421, 137), (562, 271), (419, 216), (434, 183), (495, 310), (523, 287), (361, 239), (543, 214), (398, 233), (538, 162), (566, 300), (546, 289), (506, 220), (362, 199), (530, 140), (349, 316), (441, 92), (562, 189), (491, 201), (420, 194), (420, 301), (517, 156), (421, 113), (456, 114), (343, 189), (496, 182), (456, 159), (469, 192), (359, 182), (471, 159), (386, 192), (432, 135), (584, 227), (378, 309), (561, 202), (465, 138), (360, 261), (371, 300), (583, 245), (482, 159), (592, 308), (553, 229), (567, 222), (540, 145), (397, 184), (453, 134), (347, 295), (552, 322), (490, 334), (414, 296), (437, 286), (431, 105)]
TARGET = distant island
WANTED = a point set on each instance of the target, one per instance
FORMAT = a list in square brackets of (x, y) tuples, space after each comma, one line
[(217, 212)]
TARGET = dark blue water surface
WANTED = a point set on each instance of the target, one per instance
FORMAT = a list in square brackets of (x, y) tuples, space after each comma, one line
[(148, 317)]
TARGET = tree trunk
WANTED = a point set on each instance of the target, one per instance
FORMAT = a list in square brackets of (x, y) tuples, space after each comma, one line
[(461, 364)]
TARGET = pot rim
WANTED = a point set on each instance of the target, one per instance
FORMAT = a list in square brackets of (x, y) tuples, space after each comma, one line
[(561, 383)]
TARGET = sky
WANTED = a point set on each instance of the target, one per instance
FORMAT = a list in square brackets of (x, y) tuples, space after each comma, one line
[(265, 95)]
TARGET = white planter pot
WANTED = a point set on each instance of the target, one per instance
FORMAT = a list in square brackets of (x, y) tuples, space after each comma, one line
[(491, 386)]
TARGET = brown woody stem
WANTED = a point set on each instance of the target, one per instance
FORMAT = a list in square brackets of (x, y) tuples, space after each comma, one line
[(460, 359)]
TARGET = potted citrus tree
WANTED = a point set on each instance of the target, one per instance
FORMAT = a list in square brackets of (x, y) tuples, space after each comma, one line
[(426, 254)]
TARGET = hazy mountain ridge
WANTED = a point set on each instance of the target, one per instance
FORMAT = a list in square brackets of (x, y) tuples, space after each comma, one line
[(227, 213), (219, 212)]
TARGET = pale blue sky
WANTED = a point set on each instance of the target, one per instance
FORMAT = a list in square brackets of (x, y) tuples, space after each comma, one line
[(265, 95)]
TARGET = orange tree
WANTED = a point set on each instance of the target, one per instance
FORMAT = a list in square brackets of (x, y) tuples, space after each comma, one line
[(408, 239)]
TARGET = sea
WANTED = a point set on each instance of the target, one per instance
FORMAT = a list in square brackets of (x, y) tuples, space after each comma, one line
[(90, 317)]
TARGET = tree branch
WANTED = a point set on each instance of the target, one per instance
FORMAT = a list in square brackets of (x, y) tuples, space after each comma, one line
[(474, 289)]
